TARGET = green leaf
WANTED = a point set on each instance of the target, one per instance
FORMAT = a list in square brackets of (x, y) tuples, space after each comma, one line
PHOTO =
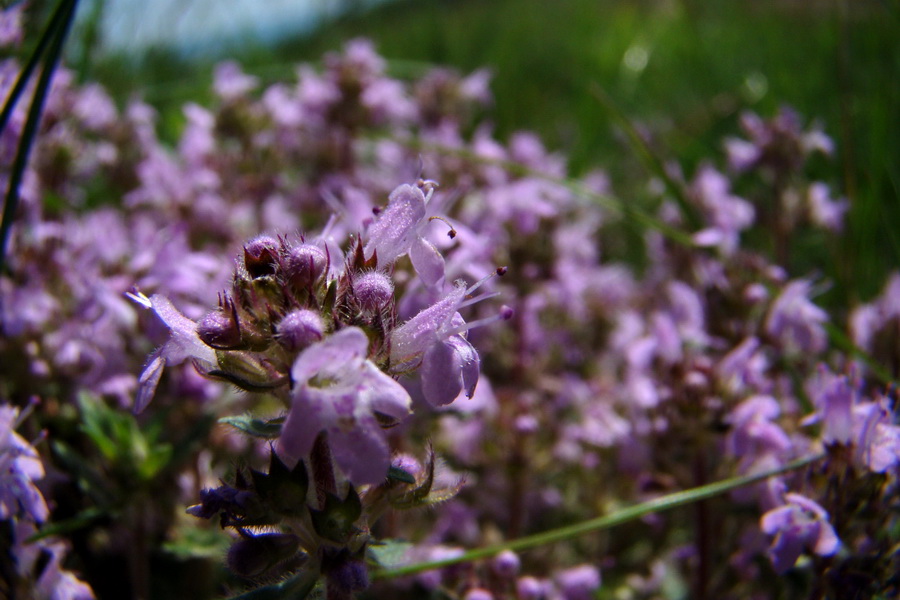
[(98, 426), (198, 542), (79, 521), (398, 474), (85, 473), (336, 521), (285, 491), (266, 429), (388, 554), (298, 587)]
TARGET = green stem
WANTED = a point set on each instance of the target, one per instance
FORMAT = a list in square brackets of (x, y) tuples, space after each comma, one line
[(631, 513)]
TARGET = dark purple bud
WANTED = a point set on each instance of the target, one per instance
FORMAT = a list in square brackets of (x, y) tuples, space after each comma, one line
[(506, 564), (349, 575), (304, 264), (506, 313), (219, 330), (253, 556), (478, 594), (529, 588), (223, 499), (299, 329), (501, 271), (260, 256), (373, 290)]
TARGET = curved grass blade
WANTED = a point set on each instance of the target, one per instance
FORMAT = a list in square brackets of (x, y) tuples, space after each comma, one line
[(31, 65), (631, 513), (29, 132), (651, 161)]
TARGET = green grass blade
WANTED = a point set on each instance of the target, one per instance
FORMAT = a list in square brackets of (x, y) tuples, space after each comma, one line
[(651, 160), (31, 65), (631, 513)]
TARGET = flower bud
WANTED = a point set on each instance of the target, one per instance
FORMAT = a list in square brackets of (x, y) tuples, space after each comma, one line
[(478, 594), (407, 464), (506, 564), (298, 329), (304, 264), (529, 588), (260, 256), (219, 330), (373, 290)]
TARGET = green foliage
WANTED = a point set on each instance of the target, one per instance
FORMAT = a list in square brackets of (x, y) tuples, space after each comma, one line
[(336, 520), (388, 554), (125, 446), (262, 428)]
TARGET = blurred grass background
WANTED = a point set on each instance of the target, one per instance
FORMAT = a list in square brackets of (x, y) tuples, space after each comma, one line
[(682, 70)]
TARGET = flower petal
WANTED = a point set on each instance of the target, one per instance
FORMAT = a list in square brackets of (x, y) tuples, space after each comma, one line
[(362, 453), (413, 338), (184, 341), (148, 381), (310, 413), (427, 261), (393, 233), (442, 374), (383, 394), (333, 355)]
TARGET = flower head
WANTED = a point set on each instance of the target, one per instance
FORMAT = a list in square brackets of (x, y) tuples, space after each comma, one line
[(435, 340)]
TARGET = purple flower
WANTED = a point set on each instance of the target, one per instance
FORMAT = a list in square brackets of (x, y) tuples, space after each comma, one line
[(823, 211), (877, 438), (835, 398), (434, 339), (871, 322), (727, 214), (795, 321), (338, 390), (754, 434), (183, 343), (11, 30), (866, 426), (400, 229), (579, 583), (799, 525), (20, 467), (230, 82)]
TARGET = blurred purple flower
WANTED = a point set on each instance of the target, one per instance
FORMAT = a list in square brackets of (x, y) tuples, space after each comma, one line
[(797, 526), (183, 343), (20, 467), (823, 210), (796, 322), (578, 583)]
